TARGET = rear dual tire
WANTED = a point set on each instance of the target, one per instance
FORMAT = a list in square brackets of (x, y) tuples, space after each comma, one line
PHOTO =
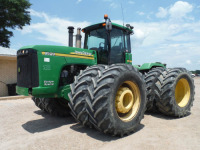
[(175, 88), (151, 78)]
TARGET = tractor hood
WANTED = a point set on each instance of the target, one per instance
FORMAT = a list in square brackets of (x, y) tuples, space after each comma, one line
[(52, 50), (40, 66)]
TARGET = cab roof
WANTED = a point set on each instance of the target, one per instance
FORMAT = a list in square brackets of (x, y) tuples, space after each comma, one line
[(99, 25)]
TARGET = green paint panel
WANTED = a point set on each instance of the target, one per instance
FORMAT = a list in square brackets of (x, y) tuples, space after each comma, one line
[(148, 66), (136, 66), (128, 58), (22, 91), (63, 91), (51, 61)]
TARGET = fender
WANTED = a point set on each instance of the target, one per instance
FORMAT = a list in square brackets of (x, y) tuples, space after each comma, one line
[(149, 66)]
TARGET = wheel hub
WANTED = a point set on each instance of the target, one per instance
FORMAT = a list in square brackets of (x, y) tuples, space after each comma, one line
[(182, 92), (127, 101), (124, 100)]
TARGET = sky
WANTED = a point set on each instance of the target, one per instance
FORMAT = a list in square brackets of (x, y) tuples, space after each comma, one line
[(166, 31)]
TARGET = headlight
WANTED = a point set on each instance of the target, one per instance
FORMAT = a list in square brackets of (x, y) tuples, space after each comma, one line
[(23, 52)]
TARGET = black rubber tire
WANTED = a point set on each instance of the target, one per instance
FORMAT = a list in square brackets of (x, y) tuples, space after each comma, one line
[(151, 78), (98, 97), (184, 69), (39, 103), (53, 106), (80, 93), (165, 87)]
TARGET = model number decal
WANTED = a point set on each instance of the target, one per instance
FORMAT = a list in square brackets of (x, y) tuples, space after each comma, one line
[(46, 83), (46, 67), (49, 53)]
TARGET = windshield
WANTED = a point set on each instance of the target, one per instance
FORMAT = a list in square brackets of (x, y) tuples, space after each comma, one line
[(117, 46)]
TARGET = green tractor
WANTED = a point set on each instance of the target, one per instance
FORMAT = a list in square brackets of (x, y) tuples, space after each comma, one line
[(98, 85)]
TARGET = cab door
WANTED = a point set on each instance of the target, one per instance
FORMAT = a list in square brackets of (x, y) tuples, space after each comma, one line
[(117, 53)]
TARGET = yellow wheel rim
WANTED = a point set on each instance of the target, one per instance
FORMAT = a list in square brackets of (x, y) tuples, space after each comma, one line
[(127, 101), (182, 92)]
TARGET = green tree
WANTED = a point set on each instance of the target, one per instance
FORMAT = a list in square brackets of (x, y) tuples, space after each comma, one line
[(13, 14)]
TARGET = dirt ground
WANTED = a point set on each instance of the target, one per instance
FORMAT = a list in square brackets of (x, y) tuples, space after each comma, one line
[(24, 126)]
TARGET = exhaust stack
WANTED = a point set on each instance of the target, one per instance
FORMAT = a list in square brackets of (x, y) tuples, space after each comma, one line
[(78, 38), (71, 31)]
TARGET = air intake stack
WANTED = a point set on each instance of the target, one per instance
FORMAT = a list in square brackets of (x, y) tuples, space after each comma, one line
[(71, 31), (78, 38)]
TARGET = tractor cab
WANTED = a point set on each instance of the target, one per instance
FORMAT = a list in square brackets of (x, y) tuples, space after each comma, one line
[(111, 41)]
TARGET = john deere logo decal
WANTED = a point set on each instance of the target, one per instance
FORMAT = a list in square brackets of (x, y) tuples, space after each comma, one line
[(83, 53)]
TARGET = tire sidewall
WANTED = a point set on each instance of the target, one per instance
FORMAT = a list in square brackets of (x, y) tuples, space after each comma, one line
[(137, 79), (186, 76)]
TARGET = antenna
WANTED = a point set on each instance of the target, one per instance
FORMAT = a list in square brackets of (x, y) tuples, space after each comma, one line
[(122, 12)]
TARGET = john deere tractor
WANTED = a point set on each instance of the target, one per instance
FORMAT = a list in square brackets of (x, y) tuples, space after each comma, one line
[(98, 85)]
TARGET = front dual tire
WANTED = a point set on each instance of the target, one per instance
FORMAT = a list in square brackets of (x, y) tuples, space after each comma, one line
[(110, 98)]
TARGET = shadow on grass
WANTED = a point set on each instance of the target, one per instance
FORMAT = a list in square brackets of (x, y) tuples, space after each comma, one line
[(47, 123)]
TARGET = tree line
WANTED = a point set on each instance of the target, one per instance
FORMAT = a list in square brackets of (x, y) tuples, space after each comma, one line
[(196, 72)]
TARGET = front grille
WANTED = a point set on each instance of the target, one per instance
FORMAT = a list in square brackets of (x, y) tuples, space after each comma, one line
[(27, 68)]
